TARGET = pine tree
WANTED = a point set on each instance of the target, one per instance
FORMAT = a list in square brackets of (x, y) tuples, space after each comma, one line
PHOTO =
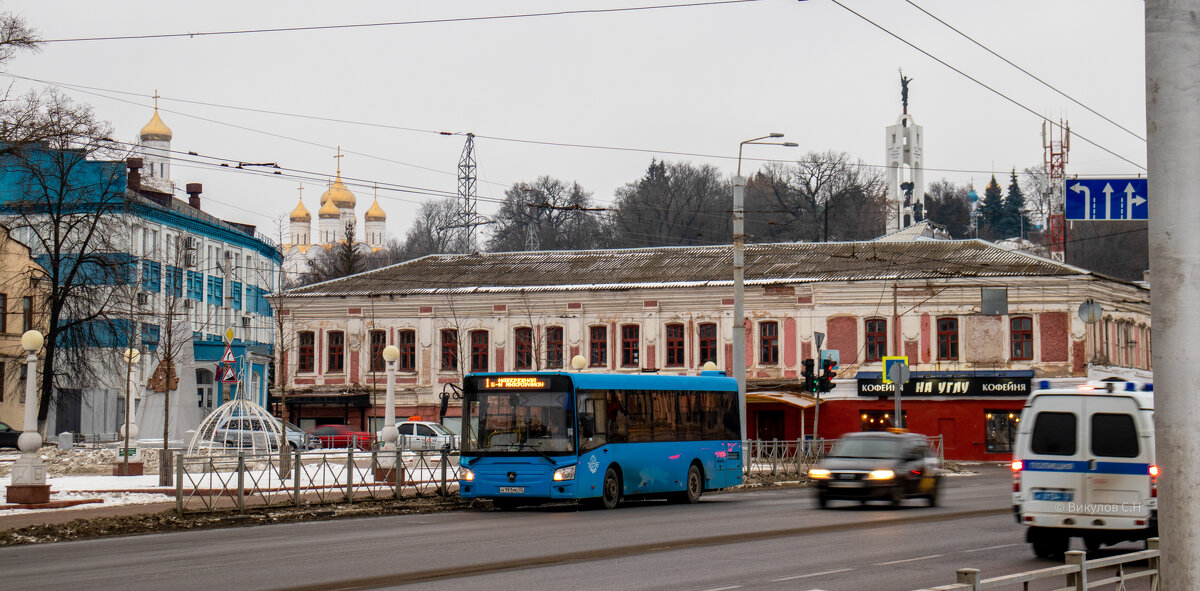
[(1016, 221), (991, 211)]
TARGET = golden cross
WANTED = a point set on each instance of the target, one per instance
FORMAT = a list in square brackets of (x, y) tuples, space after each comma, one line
[(301, 189), (155, 99), (339, 160)]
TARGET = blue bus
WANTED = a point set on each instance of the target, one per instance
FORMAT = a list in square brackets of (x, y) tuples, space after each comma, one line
[(532, 437)]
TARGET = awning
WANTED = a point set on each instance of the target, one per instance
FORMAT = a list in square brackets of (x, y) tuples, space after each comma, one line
[(791, 398)]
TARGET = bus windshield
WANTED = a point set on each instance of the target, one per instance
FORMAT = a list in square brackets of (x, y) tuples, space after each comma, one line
[(519, 422)]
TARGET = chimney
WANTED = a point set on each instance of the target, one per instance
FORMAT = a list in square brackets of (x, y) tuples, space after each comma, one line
[(193, 191), (134, 180)]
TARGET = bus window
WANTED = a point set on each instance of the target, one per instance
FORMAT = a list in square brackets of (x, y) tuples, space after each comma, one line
[(664, 416), (593, 420)]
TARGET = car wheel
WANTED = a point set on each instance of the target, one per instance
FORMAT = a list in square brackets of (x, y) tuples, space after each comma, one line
[(933, 494), (611, 495), (897, 496), (822, 500)]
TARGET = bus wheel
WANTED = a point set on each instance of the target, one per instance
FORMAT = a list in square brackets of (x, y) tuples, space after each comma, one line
[(695, 487), (612, 489), (1048, 544)]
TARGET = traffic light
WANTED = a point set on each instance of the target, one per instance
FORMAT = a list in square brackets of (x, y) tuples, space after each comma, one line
[(810, 377), (825, 380)]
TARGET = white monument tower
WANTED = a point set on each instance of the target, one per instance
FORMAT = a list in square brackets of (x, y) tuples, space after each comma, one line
[(905, 152)]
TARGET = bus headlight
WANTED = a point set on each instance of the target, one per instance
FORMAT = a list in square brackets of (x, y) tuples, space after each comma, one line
[(567, 473), (466, 474), (818, 473), (881, 475)]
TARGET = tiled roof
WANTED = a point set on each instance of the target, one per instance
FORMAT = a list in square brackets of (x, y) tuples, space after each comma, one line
[(783, 263)]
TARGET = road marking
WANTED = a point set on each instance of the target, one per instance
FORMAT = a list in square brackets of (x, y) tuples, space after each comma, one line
[(724, 588), (989, 548), (794, 577), (909, 559)]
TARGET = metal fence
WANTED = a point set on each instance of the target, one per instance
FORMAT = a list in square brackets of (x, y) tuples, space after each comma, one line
[(239, 481), (1075, 572), (776, 457)]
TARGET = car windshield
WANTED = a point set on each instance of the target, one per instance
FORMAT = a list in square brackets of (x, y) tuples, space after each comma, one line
[(440, 430), (520, 422), (866, 447), (291, 428)]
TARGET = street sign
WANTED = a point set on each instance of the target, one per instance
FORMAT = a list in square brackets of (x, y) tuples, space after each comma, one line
[(227, 376), (229, 335), (888, 362), (227, 357), (1107, 199), (819, 338)]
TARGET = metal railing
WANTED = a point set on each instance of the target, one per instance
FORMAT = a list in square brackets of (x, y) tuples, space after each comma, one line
[(784, 457), (1075, 571), (241, 480)]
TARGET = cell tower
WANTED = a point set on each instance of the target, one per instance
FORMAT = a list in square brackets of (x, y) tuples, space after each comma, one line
[(1056, 145), (468, 214)]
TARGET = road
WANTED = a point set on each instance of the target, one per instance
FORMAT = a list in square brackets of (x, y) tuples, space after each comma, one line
[(769, 539)]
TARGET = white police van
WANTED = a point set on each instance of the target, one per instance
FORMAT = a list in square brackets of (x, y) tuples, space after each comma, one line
[(1084, 466)]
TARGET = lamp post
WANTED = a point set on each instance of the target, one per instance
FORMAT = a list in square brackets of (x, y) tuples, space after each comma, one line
[(386, 468), (130, 464), (29, 472), (739, 287)]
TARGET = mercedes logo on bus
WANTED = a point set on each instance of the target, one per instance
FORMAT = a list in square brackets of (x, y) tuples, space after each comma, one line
[(512, 476)]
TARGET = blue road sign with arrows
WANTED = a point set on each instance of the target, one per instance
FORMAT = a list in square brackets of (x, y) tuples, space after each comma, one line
[(1107, 199)]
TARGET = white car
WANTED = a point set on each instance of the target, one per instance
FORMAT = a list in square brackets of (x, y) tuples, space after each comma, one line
[(425, 435)]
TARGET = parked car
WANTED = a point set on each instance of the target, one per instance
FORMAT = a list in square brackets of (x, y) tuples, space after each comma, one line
[(248, 432), (873, 465), (342, 436), (8, 436), (425, 435)]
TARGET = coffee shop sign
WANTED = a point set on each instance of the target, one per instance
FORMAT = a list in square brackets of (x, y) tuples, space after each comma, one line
[(968, 386)]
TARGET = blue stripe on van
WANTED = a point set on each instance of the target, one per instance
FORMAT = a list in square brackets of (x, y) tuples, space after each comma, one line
[(1076, 466)]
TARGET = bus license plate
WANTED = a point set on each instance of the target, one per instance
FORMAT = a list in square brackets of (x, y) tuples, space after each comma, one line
[(1057, 496), (512, 489)]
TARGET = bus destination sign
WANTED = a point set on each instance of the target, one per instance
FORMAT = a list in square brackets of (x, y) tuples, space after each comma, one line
[(514, 383)]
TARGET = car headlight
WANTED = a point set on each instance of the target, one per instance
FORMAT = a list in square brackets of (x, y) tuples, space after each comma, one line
[(567, 473), (466, 474), (881, 475), (818, 473)]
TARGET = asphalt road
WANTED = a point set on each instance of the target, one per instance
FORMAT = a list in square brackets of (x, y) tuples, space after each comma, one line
[(770, 539)]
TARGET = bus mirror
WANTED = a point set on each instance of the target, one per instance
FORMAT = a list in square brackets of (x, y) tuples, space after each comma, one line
[(587, 425)]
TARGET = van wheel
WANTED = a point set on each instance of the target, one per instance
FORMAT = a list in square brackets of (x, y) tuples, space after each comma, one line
[(897, 496), (611, 496), (1048, 544), (1092, 544), (933, 494)]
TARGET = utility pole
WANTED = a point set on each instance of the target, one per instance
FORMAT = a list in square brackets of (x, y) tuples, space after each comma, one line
[(1173, 149)]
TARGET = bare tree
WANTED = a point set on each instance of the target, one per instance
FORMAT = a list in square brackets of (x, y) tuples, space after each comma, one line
[(823, 196), (672, 204), (946, 204), (344, 259), (548, 214), (432, 231)]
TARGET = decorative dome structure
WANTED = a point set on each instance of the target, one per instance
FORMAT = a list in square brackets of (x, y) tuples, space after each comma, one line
[(972, 196), (375, 213), (156, 130), (329, 210), (238, 426), (300, 214), (339, 195)]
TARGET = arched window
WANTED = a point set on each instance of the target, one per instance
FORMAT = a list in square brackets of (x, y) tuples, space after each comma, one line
[(554, 347), (306, 352), (523, 338), (768, 342), (378, 342), (406, 341), (336, 352), (630, 345), (675, 346), (598, 345), (479, 350), (204, 388), (708, 342)]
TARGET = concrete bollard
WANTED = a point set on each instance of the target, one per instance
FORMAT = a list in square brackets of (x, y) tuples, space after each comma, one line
[(66, 441)]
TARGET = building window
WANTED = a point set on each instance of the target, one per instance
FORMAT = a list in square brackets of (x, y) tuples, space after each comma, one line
[(524, 341), (305, 360), (879, 420), (674, 345), (174, 280), (598, 345), (337, 352), (449, 349), (1001, 427), (708, 343), (1022, 338), (2, 380), (876, 339), (216, 288), (406, 341), (195, 286), (768, 339), (3, 312), (554, 346), (378, 342), (947, 338), (235, 295), (151, 276), (479, 350), (630, 345), (26, 313)]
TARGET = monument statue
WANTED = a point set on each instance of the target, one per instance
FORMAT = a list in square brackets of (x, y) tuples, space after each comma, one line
[(904, 80)]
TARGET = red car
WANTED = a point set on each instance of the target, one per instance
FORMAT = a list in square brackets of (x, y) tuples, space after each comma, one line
[(342, 437)]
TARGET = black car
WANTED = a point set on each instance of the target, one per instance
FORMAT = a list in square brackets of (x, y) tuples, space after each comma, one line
[(873, 465), (8, 436)]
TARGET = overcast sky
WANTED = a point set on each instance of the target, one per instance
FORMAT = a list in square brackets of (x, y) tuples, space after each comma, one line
[(619, 87)]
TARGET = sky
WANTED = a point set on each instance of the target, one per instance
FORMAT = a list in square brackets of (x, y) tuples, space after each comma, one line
[(588, 94)]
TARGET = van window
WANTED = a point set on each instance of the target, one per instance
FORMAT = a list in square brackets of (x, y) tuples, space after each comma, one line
[(1054, 434), (1114, 435)]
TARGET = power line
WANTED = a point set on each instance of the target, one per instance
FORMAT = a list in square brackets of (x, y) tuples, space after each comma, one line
[(1026, 72), (980, 83), (402, 23)]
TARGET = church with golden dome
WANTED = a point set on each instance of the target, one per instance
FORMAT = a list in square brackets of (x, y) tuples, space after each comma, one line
[(335, 214)]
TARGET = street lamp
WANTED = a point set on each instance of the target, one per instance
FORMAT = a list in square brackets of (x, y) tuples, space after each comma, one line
[(29, 472), (390, 433), (739, 287), (130, 430)]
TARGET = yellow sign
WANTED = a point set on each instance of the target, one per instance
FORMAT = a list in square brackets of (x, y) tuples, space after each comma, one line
[(888, 362), (512, 382), (229, 335)]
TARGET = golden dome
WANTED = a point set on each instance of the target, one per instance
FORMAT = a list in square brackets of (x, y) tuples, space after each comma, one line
[(375, 213), (339, 194), (329, 210), (156, 129), (300, 214)]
